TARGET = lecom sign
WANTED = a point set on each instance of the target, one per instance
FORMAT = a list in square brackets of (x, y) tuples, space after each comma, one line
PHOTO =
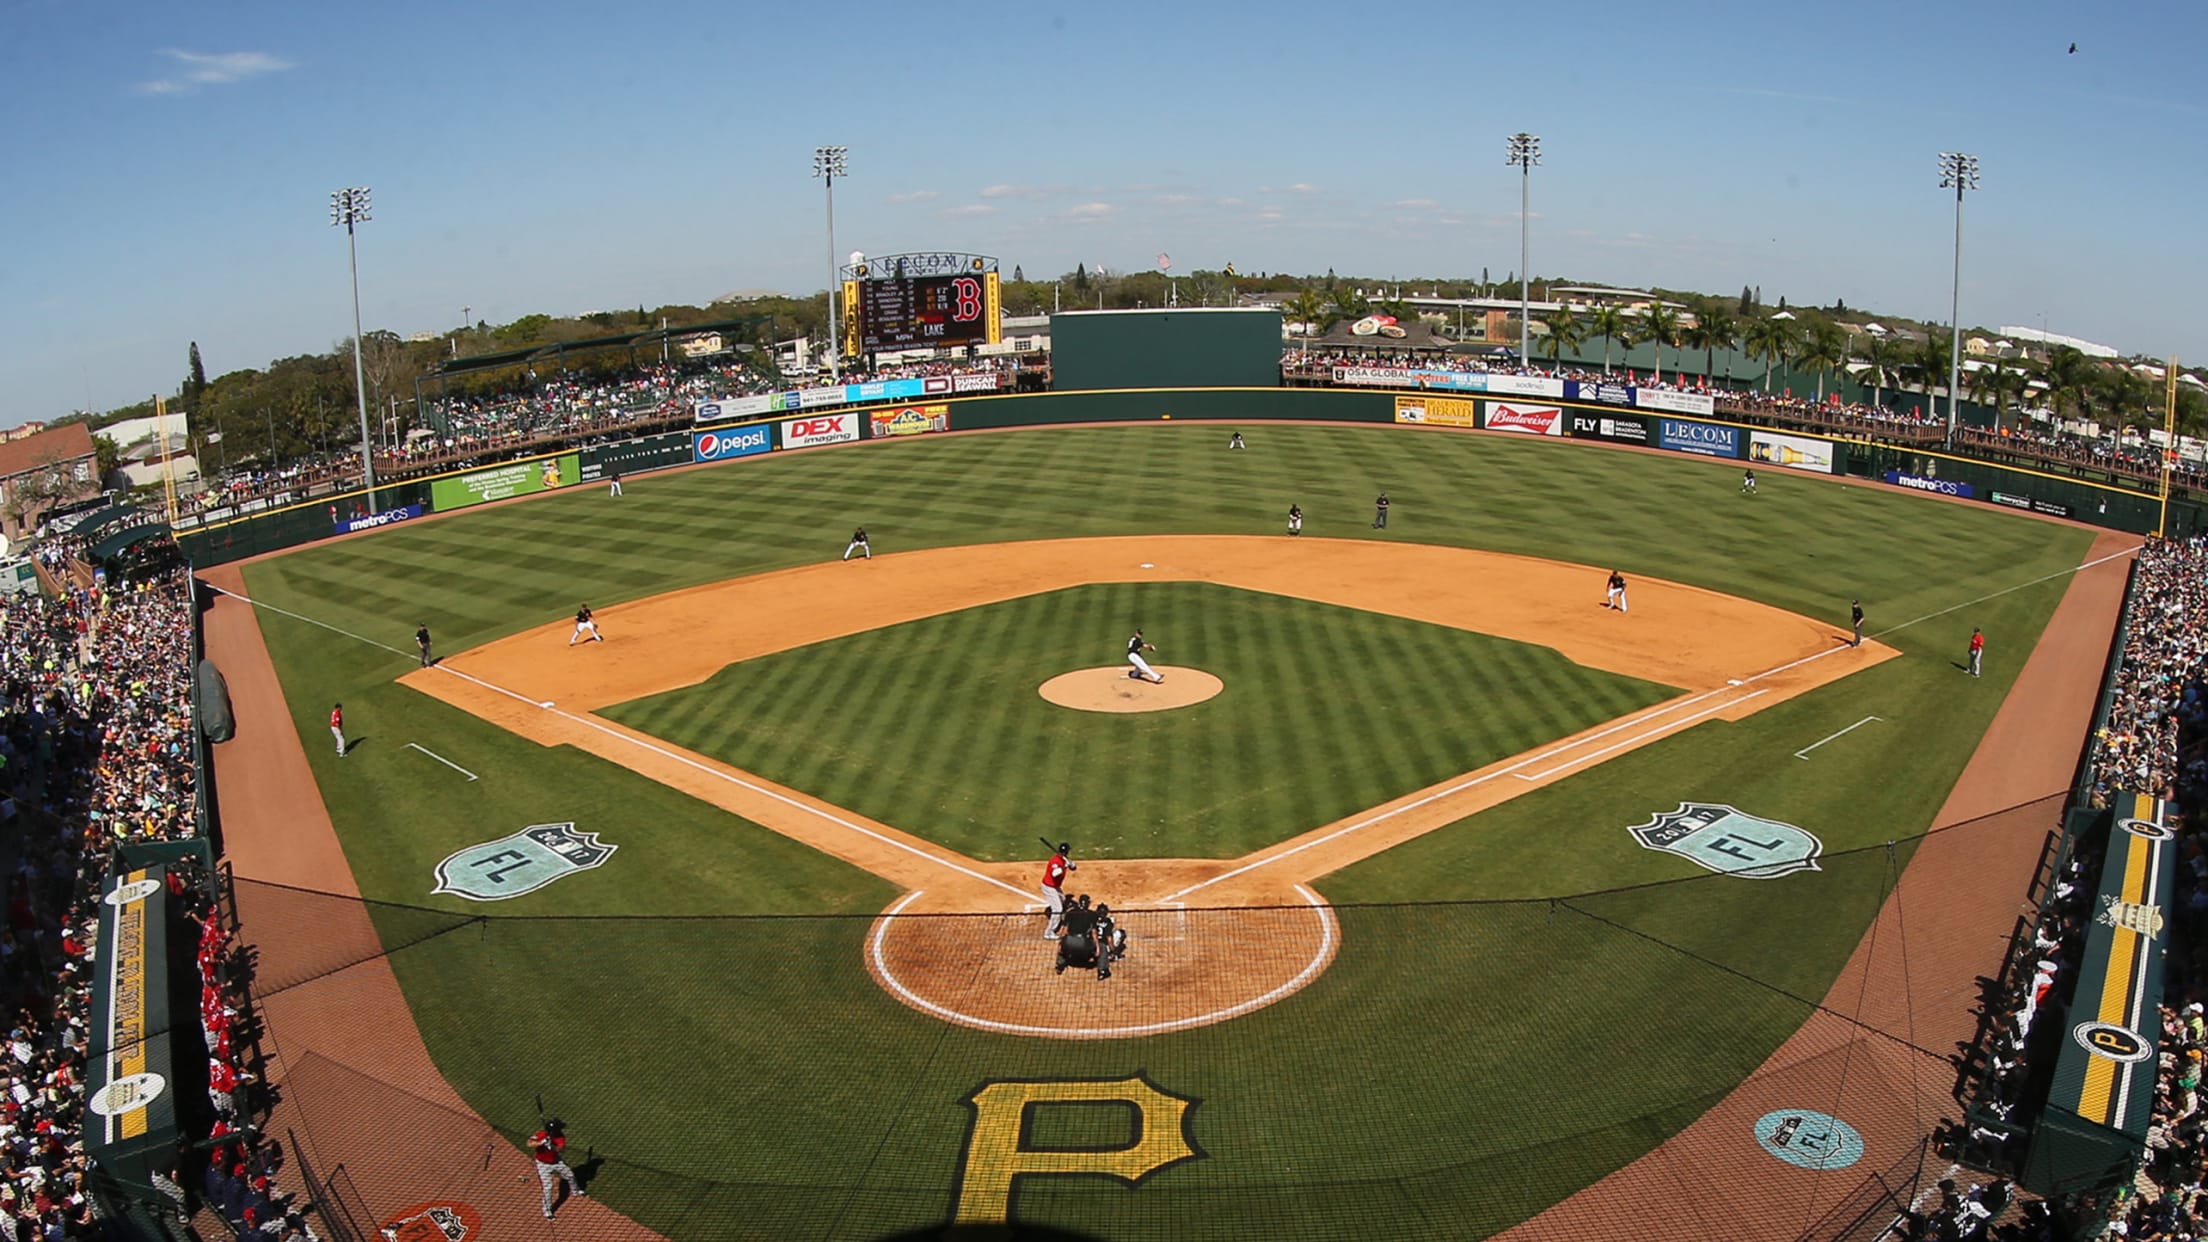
[(1532, 420), (820, 429)]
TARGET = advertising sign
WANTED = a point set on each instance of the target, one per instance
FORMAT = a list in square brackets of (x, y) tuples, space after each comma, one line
[(837, 428), (1439, 411), (1938, 487), (1527, 386), (520, 478), (1619, 429), (1604, 394), (734, 442), (813, 398), (1404, 377), (1532, 420), (985, 382), (1676, 402), (636, 456), (348, 525), (732, 407), (910, 420), (2031, 504), (1708, 439), (1793, 452)]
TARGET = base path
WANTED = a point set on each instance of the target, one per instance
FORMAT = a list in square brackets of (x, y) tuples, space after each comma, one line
[(1731, 656)]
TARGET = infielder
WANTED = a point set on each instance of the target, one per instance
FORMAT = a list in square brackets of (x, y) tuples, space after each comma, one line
[(585, 623), (1295, 520), (1855, 617), (421, 639), (1380, 512), (1054, 889), (337, 727), (1142, 670), (858, 544), (1615, 596), (549, 1146)]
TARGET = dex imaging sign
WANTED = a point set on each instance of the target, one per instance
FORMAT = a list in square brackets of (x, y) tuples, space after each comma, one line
[(837, 428)]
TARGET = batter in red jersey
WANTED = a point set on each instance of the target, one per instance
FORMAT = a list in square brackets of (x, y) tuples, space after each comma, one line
[(549, 1146), (1054, 889)]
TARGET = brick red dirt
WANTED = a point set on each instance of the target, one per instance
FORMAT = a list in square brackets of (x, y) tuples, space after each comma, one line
[(1913, 975), (345, 1041)]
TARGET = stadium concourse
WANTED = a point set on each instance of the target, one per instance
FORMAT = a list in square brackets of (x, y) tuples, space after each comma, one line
[(96, 753)]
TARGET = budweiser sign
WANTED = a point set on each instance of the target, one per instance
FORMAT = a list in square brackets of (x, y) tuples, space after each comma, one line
[(1532, 420)]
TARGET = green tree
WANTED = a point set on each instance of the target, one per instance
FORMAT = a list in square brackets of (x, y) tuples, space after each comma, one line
[(1926, 363), (2069, 379), (1346, 303), (1306, 308), (1769, 340), (1881, 361), (107, 455), (1714, 328), (1564, 333), (1747, 301), (1660, 327), (1824, 349), (1612, 325), (1080, 275), (195, 378)]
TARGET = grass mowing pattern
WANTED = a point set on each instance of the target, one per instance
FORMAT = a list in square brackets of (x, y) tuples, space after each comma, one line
[(935, 726)]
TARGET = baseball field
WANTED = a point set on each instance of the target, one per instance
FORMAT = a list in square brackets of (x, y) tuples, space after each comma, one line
[(1452, 893)]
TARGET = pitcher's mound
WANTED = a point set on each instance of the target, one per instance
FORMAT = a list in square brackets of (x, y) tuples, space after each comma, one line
[(1112, 690)]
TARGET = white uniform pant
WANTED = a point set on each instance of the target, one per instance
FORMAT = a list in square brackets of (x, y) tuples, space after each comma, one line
[(1142, 666), (582, 629), (1054, 901), (550, 1174), (339, 734), (857, 545), (1617, 599)]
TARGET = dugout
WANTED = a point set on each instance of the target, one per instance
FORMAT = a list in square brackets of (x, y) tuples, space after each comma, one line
[(1202, 347)]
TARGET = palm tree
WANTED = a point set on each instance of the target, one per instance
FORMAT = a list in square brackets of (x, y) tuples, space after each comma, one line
[(2069, 376), (1306, 308), (1881, 363), (1824, 349), (1715, 327), (1564, 332), (1660, 327), (1347, 303), (1927, 365), (1770, 341), (1610, 323)]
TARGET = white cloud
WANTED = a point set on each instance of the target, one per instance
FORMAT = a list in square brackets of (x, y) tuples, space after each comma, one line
[(1091, 211), (1303, 187), (197, 69), (970, 209), (1030, 192), (1416, 204), (915, 196)]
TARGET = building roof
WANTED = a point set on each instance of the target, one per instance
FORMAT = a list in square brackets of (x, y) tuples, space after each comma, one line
[(64, 443)]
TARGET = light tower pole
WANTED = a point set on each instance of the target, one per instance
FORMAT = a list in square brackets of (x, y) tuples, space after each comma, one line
[(1525, 152), (1958, 172), (349, 207), (830, 163)]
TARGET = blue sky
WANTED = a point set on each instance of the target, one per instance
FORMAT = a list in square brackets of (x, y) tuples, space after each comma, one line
[(168, 167)]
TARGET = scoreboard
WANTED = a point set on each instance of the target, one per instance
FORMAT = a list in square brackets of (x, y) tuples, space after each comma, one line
[(884, 313)]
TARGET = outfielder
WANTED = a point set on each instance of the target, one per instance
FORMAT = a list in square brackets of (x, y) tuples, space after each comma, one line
[(1295, 519), (1615, 596), (337, 727), (585, 624), (1054, 889), (1142, 670), (1747, 482), (1235, 441), (549, 1146), (858, 544), (1977, 650)]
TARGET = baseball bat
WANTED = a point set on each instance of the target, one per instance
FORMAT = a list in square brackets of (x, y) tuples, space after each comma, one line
[(1047, 845)]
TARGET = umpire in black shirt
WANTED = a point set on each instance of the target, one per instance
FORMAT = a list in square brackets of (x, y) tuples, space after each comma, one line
[(1078, 946)]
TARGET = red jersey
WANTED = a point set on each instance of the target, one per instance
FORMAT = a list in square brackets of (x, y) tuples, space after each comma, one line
[(547, 1147), (337, 718), (1977, 642), (1054, 872)]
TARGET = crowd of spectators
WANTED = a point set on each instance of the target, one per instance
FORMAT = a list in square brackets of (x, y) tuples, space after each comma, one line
[(96, 752)]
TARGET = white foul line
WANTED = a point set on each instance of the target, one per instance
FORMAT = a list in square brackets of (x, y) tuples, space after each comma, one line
[(441, 759), (1658, 732), (1318, 960), (660, 751), (1803, 753)]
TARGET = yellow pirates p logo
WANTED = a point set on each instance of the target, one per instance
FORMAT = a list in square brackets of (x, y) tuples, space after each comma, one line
[(999, 1148)]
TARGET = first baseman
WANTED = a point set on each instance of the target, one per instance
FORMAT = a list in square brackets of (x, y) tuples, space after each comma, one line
[(421, 639), (549, 1146), (585, 623), (858, 544), (1142, 670)]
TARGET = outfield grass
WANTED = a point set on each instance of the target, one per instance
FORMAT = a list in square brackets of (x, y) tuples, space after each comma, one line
[(935, 726), (1456, 1069)]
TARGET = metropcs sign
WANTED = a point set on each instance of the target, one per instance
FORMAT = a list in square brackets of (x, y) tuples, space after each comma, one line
[(820, 429)]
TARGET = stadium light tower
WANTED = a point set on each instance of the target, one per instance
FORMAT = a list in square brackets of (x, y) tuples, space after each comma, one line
[(1958, 172), (349, 207), (830, 163), (1525, 152)]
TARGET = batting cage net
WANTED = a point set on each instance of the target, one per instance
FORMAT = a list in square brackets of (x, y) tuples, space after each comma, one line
[(1612, 1064)]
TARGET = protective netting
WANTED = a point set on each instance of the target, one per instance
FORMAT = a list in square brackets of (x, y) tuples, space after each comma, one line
[(1449, 1070)]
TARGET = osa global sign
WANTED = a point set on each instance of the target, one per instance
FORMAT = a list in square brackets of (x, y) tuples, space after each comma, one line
[(734, 442), (822, 429)]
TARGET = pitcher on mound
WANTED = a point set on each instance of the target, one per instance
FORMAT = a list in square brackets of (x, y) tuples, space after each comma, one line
[(1142, 670)]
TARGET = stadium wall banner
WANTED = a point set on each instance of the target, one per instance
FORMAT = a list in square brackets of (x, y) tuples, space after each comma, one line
[(815, 398), (733, 407), (734, 442), (1439, 411), (910, 420), (1617, 429), (2033, 504), (1599, 394), (1770, 448), (837, 428), (1526, 386), (521, 478), (1938, 487), (346, 526), (1405, 377), (971, 383), (1532, 420), (637, 456), (1676, 402), (1707, 439)]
